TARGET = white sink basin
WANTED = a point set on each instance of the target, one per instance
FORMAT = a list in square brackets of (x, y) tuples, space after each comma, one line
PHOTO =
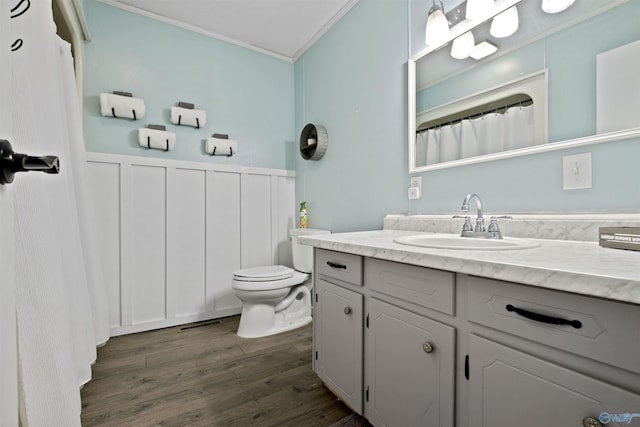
[(452, 241)]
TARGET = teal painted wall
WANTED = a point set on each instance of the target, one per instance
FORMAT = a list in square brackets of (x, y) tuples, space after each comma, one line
[(353, 81), (246, 94)]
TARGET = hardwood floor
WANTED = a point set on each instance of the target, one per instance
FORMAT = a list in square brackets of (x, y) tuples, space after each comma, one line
[(203, 374)]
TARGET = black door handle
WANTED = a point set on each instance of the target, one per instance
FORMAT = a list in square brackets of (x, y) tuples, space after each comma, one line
[(12, 162)]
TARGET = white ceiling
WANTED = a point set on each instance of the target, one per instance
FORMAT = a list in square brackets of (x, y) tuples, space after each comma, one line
[(282, 28)]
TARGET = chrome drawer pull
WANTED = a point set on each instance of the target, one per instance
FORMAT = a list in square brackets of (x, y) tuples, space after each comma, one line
[(334, 265), (544, 318)]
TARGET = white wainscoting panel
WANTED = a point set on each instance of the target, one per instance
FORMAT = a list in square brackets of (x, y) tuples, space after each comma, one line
[(172, 233), (105, 183), (146, 262), (186, 232), (256, 221), (283, 219), (223, 239)]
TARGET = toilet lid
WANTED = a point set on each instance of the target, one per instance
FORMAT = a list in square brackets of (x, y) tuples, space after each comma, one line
[(263, 274)]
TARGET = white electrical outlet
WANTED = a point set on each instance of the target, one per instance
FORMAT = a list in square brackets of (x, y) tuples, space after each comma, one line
[(414, 193), (576, 171)]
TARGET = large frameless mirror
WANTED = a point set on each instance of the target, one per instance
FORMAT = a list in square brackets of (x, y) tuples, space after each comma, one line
[(549, 81)]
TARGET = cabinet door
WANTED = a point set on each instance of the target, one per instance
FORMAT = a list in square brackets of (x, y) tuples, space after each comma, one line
[(338, 341), (510, 388), (410, 369)]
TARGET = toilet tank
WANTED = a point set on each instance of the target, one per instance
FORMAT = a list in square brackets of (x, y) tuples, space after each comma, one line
[(303, 254)]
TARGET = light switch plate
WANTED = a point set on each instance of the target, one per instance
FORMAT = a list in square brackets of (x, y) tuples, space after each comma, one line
[(415, 187), (576, 171), (416, 181)]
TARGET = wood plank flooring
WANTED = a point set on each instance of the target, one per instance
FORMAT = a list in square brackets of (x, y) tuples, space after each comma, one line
[(205, 375)]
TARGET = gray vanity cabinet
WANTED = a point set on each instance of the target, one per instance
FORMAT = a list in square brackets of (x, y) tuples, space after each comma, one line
[(338, 325), (338, 347), (408, 374), (413, 346), (511, 388), (558, 359), (409, 368)]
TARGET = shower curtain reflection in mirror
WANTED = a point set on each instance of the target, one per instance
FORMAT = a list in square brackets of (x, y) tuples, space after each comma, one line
[(489, 133)]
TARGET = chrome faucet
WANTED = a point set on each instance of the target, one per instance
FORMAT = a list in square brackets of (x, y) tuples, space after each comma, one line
[(480, 219), (480, 231)]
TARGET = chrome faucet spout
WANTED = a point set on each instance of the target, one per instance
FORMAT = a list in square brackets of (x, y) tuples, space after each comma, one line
[(465, 204), (480, 218)]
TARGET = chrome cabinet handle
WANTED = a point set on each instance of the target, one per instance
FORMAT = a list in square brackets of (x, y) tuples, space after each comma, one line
[(347, 310), (427, 347), (591, 422)]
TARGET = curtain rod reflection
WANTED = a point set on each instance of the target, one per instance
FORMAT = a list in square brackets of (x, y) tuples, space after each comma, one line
[(471, 113)]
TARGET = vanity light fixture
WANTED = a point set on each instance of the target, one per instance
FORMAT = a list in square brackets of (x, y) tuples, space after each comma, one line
[(462, 46), (483, 50), (505, 24), (477, 9), (437, 30), (555, 6)]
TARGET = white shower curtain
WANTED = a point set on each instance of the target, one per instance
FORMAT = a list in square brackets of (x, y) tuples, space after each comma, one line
[(490, 133), (60, 295)]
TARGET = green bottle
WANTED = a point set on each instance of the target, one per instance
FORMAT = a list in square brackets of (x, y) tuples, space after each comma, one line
[(303, 215)]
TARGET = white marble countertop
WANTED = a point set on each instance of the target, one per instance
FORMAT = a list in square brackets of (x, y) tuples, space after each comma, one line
[(578, 267)]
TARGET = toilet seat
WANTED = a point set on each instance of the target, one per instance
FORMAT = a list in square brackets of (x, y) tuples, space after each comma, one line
[(263, 274), (267, 278)]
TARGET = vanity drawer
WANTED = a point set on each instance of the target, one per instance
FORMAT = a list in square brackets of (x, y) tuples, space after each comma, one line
[(594, 328), (338, 265), (418, 285)]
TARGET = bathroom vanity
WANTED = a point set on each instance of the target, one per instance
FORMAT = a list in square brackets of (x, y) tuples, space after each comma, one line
[(411, 336)]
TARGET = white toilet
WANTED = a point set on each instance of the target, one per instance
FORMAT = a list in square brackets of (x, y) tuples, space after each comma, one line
[(277, 298)]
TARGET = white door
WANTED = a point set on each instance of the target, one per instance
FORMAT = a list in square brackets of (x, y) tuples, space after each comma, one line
[(8, 345)]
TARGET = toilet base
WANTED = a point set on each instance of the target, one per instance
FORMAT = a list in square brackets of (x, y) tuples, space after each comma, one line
[(262, 320), (278, 329)]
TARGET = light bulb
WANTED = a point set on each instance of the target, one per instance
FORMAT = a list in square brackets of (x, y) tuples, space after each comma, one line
[(437, 30), (505, 24), (463, 45)]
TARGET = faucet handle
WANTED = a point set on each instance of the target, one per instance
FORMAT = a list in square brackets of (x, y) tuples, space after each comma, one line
[(467, 222), (494, 228)]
